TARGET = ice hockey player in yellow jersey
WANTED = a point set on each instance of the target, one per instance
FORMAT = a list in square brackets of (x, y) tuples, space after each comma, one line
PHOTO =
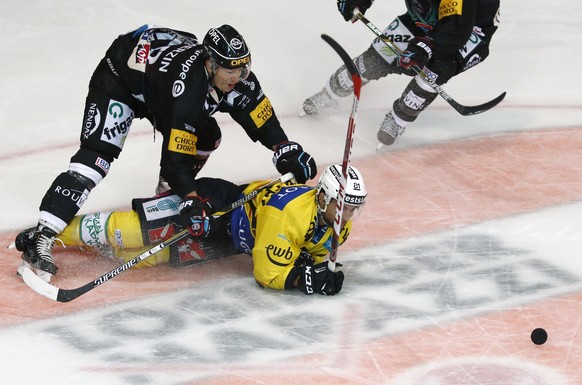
[(287, 229)]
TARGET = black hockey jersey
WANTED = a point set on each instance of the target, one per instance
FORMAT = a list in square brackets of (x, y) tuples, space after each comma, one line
[(164, 71), (449, 23)]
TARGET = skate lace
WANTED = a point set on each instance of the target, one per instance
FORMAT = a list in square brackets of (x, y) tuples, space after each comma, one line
[(393, 128), (44, 246)]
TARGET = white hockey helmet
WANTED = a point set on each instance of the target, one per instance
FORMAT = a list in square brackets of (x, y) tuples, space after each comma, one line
[(355, 191)]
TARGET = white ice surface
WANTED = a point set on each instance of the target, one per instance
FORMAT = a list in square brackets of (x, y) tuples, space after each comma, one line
[(49, 51)]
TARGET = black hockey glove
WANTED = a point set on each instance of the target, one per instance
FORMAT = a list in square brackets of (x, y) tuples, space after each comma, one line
[(319, 279), (346, 7), (417, 53), (195, 215), (290, 157), (304, 259)]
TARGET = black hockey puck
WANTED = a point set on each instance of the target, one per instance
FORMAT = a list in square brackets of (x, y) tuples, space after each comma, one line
[(539, 336)]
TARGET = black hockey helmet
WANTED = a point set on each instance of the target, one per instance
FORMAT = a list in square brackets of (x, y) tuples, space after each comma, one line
[(227, 48), (424, 11)]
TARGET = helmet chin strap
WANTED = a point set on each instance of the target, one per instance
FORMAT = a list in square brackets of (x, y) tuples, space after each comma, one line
[(321, 210), (213, 68)]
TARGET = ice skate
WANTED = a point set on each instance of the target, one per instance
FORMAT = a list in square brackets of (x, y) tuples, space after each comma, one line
[(319, 103), (36, 246), (390, 129), (22, 239)]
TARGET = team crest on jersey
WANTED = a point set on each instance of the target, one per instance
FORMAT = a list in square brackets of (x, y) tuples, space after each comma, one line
[(182, 142), (262, 112), (450, 7)]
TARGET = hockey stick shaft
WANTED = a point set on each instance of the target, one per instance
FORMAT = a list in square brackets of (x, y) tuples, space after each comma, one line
[(65, 295), (463, 110), (357, 81)]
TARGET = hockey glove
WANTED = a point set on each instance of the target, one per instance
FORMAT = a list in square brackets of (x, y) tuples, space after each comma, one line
[(195, 215), (319, 279), (417, 53), (346, 7), (304, 259), (290, 157)]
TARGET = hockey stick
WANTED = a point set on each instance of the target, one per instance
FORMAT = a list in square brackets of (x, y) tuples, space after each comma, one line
[(63, 295), (357, 80), (463, 110)]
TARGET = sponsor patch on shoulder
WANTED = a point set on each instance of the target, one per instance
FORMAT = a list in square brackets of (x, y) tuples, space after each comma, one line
[(450, 7), (262, 112), (182, 142)]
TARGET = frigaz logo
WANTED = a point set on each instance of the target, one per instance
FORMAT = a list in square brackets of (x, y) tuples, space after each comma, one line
[(397, 38), (92, 120), (262, 112), (117, 123)]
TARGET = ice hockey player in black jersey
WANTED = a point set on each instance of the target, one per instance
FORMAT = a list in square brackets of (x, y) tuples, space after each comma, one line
[(444, 37), (176, 82)]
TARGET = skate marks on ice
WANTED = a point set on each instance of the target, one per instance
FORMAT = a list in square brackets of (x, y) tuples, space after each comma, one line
[(454, 305), (420, 190), (21, 304), (462, 250)]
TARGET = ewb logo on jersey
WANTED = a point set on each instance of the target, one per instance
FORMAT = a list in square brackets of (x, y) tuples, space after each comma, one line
[(117, 123)]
